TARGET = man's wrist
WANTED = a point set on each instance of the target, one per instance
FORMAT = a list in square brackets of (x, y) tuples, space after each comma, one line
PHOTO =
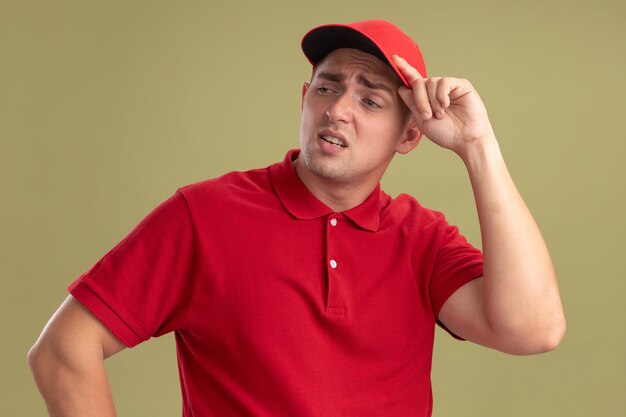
[(481, 154)]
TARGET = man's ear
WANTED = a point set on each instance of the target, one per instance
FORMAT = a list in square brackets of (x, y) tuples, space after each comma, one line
[(305, 88), (411, 138)]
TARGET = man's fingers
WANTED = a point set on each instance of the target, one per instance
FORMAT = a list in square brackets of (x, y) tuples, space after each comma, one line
[(443, 92), (439, 94), (420, 102), (432, 85), (431, 95)]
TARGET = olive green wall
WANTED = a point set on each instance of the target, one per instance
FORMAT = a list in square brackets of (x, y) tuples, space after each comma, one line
[(106, 107)]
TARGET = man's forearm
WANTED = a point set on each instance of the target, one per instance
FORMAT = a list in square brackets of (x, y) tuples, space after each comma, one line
[(521, 296)]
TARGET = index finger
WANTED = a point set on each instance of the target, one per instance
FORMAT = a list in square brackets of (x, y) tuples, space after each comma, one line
[(410, 73)]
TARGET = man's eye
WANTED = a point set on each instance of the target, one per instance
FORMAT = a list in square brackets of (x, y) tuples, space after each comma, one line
[(324, 90), (371, 103)]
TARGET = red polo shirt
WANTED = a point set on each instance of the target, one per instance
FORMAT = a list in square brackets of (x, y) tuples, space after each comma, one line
[(280, 306)]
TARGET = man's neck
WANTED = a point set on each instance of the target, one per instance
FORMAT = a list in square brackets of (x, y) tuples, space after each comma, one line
[(338, 195)]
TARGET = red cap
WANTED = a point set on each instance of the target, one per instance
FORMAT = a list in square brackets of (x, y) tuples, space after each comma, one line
[(377, 37)]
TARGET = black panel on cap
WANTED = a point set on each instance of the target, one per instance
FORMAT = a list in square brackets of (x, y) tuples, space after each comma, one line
[(322, 41)]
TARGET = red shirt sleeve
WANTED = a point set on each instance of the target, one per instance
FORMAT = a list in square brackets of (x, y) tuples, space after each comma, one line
[(457, 262), (142, 287)]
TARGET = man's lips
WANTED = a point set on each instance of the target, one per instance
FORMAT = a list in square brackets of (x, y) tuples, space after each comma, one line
[(334, 138)]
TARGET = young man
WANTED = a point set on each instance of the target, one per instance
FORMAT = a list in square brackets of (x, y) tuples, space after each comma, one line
[(302, 289)]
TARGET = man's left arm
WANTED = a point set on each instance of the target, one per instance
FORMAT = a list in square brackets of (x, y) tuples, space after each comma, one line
[(515, 307)]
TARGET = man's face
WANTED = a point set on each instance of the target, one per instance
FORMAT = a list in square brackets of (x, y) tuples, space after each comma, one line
[(353, 120)]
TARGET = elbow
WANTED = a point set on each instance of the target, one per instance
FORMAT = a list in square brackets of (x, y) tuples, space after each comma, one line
[(49, 367), (536, 341), (36, 363), (552, 338), (552, 335), (34, 358), (45, 362), (38, 360)]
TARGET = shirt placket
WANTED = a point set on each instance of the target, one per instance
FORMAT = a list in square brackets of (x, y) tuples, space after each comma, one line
[(334, 302)]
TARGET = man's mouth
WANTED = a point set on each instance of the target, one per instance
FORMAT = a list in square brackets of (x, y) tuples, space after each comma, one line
[(335, 141)]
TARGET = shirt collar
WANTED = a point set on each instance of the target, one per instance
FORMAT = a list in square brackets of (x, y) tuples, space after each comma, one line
[(299, 201)]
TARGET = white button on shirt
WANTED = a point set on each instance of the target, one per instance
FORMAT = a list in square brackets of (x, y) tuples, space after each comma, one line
[(333, 222), (333, 263)]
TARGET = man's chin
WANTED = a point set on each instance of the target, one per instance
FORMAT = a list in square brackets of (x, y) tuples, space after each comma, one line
[(329, 170)]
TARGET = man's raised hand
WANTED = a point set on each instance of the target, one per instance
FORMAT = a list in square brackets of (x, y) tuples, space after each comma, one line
[(447, 110)]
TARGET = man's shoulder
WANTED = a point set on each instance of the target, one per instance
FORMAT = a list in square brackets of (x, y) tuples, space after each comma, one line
[(407, 206), (250, 180), (233, 193)]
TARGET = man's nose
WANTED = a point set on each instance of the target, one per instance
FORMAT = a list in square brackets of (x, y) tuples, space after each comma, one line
[(341, 109)]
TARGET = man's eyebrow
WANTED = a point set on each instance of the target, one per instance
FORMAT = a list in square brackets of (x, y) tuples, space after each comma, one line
[(375, 86), (331, 76), (338, 77)]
